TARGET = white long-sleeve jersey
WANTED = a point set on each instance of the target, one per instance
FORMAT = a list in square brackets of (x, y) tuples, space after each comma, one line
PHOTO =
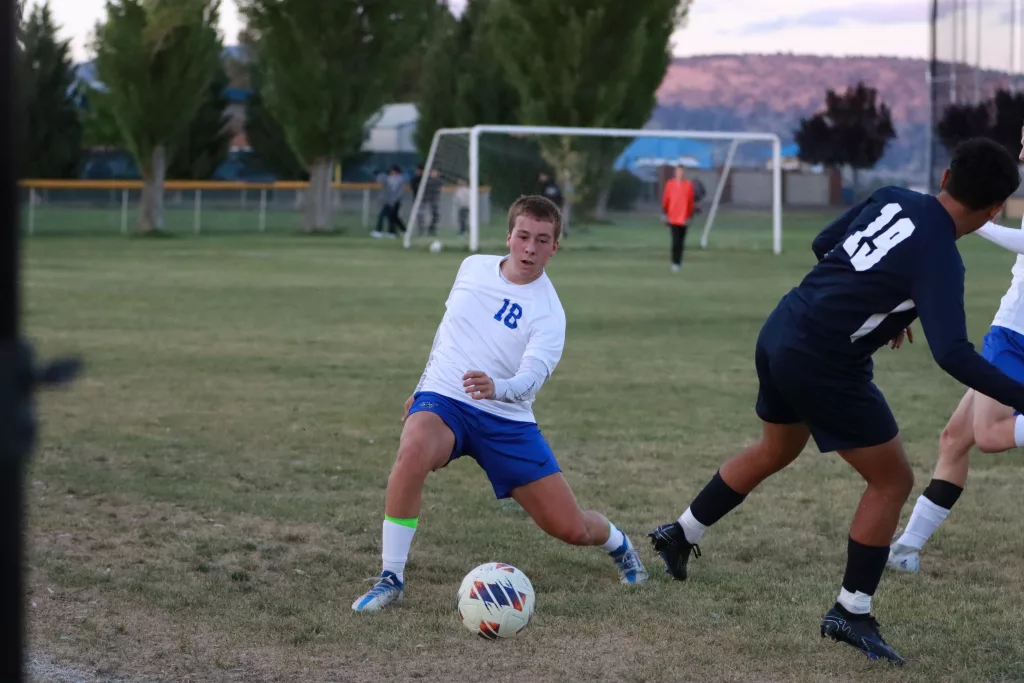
[(493, 325), (1011, 308)]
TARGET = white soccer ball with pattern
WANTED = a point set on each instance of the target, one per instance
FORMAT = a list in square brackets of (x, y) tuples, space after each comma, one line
[(436, 247), (495, 601)]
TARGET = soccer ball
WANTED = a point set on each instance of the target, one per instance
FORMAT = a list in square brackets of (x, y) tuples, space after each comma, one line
[(495, 601), (436, 247)]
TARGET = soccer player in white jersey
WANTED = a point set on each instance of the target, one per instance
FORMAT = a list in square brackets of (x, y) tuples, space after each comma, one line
[(499, 340), (978, 420)]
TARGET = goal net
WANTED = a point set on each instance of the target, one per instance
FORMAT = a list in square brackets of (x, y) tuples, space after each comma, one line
[(608, 181)]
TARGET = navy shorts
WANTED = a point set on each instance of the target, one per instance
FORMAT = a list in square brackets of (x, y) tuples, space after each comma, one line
[(840, 405), (1004, 348), (511, 453)]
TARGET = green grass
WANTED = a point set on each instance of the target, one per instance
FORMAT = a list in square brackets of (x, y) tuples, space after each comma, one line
[(207, 499)]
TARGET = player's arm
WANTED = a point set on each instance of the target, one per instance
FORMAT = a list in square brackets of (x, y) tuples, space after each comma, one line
[(542, 353), (938, 293), (1007, 238), (525, 384), (828, 238)]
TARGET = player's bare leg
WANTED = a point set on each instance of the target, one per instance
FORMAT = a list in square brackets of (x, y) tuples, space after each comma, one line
[(552, 505), (425, 446), (889, 480), (996, 428), (978, 419), (779, 445)]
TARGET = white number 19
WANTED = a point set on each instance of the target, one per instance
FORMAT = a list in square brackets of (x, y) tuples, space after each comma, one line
[(867, 247)]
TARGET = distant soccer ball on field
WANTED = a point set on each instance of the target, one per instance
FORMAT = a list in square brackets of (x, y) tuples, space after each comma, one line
[(495, 601), (436, 246)]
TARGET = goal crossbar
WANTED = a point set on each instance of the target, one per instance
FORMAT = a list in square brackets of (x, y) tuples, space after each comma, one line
[(736, 137)]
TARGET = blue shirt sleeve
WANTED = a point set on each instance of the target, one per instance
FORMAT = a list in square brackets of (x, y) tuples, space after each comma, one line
[(938, 293), (828, 238)]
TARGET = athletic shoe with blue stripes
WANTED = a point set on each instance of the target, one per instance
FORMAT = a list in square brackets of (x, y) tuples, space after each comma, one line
[(631, 569), (388, 589)]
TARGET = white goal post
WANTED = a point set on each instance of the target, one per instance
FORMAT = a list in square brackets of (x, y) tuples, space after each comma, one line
[(470, 168)]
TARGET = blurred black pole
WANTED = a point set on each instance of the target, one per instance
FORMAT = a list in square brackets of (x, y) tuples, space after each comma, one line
[(15, 439), (19, 376)]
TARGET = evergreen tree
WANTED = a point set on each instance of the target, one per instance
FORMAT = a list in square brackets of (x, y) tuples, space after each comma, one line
[(208, 138), (52, 140), (326, 68), (464, 85), (998, 118), (156, 60), (267, 138), (588, 63), (853, 130)]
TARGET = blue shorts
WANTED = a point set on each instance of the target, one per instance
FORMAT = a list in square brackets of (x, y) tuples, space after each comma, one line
[(840, 404), (1004, 349), (511, 453)]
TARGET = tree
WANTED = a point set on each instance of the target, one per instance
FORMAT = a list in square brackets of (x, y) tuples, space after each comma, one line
[(267, 137), (590, 63), (853, 130), (998, 118), (326, 68), (52, 146), (463, 85), (156, 59), (207, 140)]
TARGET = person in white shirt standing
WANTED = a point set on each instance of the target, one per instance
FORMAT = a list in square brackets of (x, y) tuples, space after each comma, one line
[(978, 420), (500, 339)]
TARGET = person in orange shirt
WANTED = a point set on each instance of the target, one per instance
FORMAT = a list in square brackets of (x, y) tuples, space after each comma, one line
[(677, 203)]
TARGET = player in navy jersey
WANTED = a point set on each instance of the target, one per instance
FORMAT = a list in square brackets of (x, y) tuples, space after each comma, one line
[(884, 263)]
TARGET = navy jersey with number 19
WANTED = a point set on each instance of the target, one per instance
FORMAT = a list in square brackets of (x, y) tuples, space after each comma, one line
[(882, 264)]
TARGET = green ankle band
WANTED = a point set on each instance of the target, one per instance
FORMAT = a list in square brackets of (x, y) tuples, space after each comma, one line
[(411, 523)]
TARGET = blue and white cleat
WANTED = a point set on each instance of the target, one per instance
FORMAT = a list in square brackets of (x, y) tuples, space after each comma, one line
[(387, 590), (903, 559), (631, 569)]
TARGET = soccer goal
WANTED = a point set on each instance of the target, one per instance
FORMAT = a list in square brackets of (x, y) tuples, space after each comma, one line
[(609, 182)]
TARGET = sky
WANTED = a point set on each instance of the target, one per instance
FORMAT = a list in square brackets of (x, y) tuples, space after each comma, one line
[(825, 27)]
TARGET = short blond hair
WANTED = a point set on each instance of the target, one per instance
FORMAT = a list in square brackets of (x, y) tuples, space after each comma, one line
[(539, 209)]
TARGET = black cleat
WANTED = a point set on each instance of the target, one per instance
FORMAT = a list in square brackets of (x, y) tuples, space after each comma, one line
[(861, 633), (670, 543)]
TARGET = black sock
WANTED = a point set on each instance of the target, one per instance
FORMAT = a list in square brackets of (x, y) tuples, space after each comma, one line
[(715, 501), (943, 493), (864, 567)]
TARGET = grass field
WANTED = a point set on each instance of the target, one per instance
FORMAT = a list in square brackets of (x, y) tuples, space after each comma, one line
[(207, 500)]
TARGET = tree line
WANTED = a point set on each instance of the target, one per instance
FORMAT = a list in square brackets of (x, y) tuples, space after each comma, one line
[(319, 70)]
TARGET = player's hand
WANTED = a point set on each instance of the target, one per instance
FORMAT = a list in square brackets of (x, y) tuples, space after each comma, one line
[(478, 385), (898, 341), (408, 404)]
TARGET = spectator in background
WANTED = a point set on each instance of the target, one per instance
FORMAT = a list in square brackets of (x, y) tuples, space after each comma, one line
[(547, 187), (381, 177), (414, 182), (432, 199), (394, 189), (698, 195), (677, 203), (460, 201)]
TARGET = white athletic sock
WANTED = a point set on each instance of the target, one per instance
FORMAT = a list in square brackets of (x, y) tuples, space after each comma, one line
[(925, 519), (397, 539), (855, 603), (1018, 431), (691, 527), (615, 539)]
